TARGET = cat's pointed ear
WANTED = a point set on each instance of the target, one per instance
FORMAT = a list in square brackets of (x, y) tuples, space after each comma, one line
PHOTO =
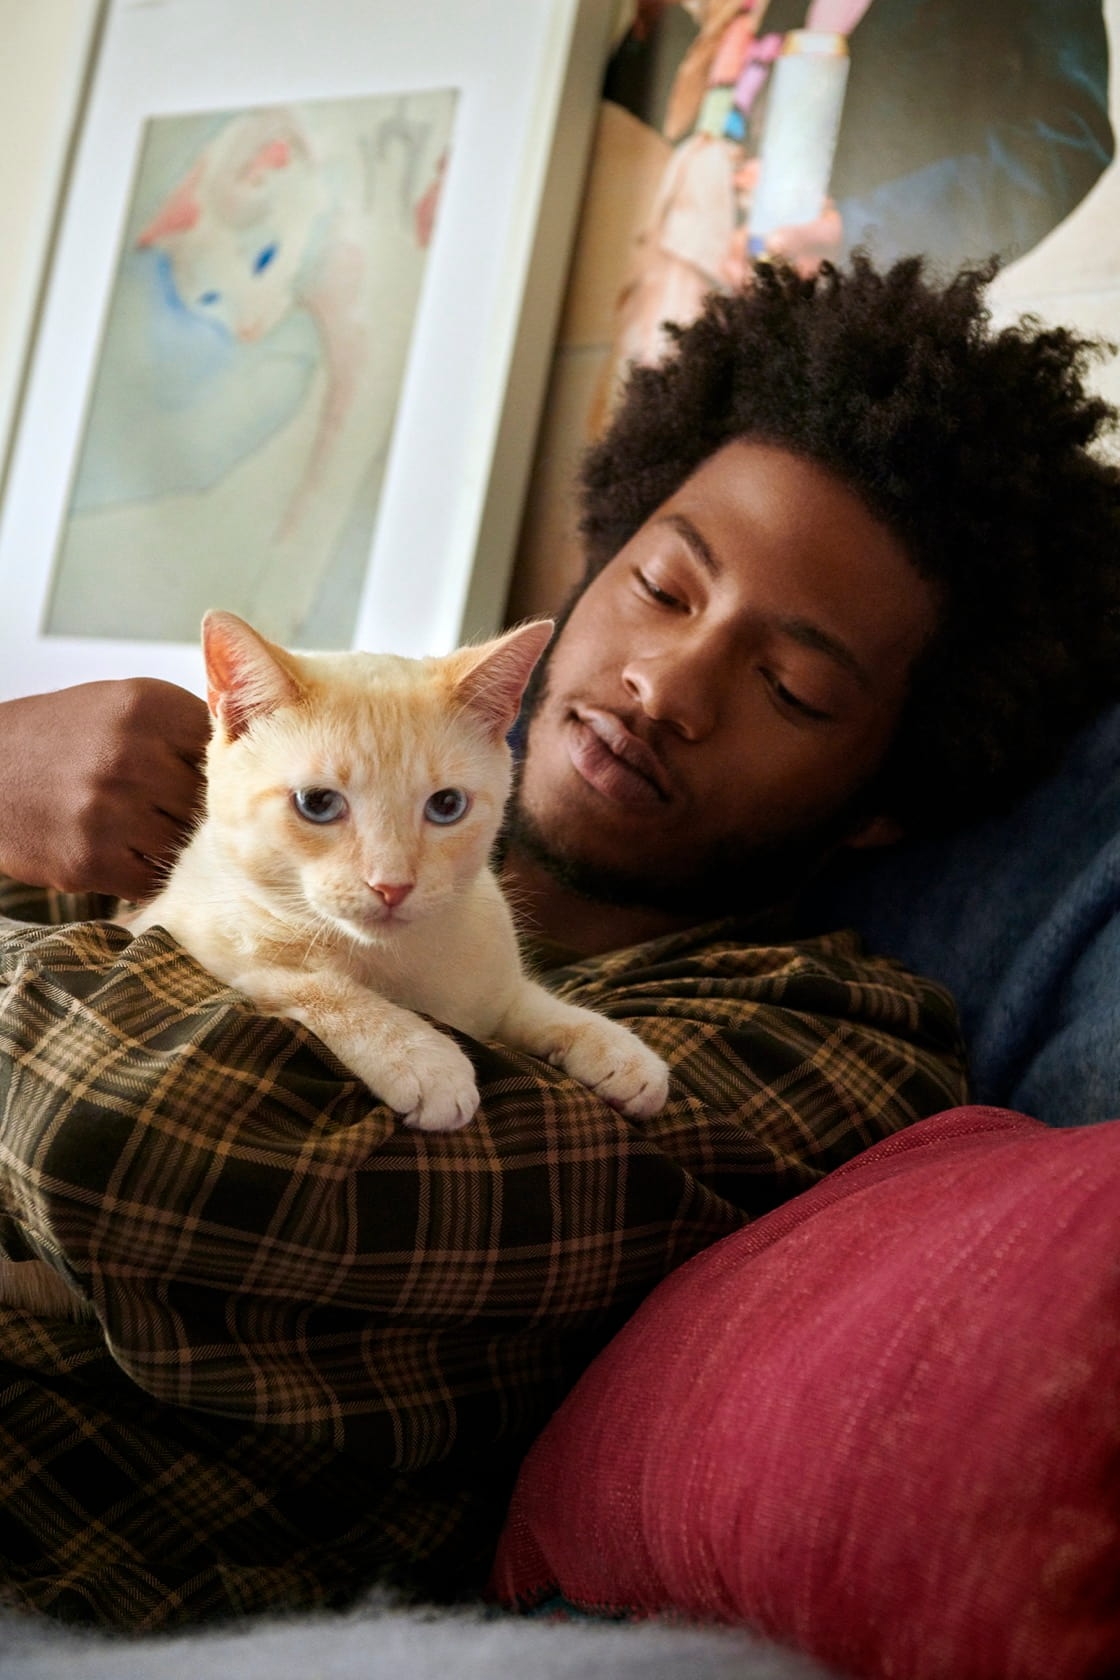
[(246, 676), (177, 214), (491, 679)]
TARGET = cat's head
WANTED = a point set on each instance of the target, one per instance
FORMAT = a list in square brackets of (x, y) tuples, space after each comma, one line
[(236, 231), (364, 789)]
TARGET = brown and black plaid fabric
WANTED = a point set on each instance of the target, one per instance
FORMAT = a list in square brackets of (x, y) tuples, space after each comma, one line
[(323, 1339)]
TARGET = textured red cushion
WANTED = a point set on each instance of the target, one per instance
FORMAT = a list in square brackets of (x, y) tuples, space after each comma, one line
[(882, 1424)]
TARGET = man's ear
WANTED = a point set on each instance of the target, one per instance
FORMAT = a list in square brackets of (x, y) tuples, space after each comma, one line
[(879, 831)]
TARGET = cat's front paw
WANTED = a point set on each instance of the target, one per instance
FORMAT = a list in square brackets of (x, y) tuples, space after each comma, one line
[(615, 1064), (431, 1084)]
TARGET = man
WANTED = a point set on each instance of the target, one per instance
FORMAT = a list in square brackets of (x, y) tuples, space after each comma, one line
[(851, 570)]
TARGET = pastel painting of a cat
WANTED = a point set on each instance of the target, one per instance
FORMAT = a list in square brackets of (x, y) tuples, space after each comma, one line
[(255, 348), (340, 875)]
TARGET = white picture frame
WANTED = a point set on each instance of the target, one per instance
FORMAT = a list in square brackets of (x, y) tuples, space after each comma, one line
[(42, 72), (526, 76)]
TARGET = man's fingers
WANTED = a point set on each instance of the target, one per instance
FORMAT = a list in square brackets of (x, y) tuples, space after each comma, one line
[(138, 876), (160, 836), (178, 798)]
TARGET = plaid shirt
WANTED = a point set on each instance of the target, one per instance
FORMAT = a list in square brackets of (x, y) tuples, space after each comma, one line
[(324, 1340)]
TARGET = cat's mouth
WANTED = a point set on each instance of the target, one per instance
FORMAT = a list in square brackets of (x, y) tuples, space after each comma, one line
[(380, 918), (614, 761), (370, 923)]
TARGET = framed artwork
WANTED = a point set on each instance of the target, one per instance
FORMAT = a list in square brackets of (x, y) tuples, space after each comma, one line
[(296, 328)]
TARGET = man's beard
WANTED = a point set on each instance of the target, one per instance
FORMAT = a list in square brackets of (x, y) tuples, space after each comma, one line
[(734, 877)]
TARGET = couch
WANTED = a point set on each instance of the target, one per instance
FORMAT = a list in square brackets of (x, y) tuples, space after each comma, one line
[(875, 1433)]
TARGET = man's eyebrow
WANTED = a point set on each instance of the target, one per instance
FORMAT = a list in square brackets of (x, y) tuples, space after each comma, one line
[(810, 635), (802, 630), (695, 540)]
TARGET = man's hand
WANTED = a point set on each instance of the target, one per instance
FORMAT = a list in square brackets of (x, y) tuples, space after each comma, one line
[(98, 784)]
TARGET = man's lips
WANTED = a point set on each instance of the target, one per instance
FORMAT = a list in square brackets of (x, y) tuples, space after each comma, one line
[(613, 761)]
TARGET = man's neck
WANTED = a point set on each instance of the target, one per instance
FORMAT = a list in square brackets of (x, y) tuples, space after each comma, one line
[(546, 909)]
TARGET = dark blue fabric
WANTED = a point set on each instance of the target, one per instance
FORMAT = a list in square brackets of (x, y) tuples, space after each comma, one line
[(1020, 918)]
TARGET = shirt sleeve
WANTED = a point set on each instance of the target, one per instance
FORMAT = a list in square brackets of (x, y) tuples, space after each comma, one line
[(265, 1242), (47, 905)]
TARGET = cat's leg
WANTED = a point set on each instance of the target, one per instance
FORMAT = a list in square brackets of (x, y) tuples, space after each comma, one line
[(608, 1058), (405, 1061)]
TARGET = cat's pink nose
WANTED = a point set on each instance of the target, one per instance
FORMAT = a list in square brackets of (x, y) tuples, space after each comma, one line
[(393, 892)]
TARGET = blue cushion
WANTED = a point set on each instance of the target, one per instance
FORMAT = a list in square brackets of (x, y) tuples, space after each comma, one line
[(1018, 916)]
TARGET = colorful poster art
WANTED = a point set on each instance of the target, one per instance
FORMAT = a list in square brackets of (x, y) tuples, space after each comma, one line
[(796, 130), (253, 353), (729, 129)]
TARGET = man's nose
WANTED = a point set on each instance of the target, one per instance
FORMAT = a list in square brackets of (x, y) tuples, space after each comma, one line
[(677, 685)]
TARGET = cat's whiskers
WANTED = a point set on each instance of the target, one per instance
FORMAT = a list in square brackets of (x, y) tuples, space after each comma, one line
[(518, 899), (309, 930)]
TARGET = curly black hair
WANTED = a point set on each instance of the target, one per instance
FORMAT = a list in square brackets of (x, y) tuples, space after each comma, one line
[(975, 446)]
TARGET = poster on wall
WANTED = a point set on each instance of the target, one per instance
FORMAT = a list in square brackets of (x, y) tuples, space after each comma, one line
[(288, 319), (802, 129)]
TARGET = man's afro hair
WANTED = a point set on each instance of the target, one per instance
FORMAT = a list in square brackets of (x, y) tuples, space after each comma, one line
[(974, 445)]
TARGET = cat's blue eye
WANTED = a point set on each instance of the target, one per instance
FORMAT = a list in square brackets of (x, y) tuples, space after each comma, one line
[(320, 805), (210, 298), (264, 257), (449, 805)]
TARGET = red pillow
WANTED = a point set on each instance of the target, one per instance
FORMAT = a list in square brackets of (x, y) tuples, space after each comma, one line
[(882, 1424)]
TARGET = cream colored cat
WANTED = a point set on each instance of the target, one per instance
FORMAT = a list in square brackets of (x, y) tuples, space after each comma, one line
[(340, 876)]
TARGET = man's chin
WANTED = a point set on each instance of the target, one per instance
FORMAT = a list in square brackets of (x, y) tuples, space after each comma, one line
[(703, 895), (735, 879)]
